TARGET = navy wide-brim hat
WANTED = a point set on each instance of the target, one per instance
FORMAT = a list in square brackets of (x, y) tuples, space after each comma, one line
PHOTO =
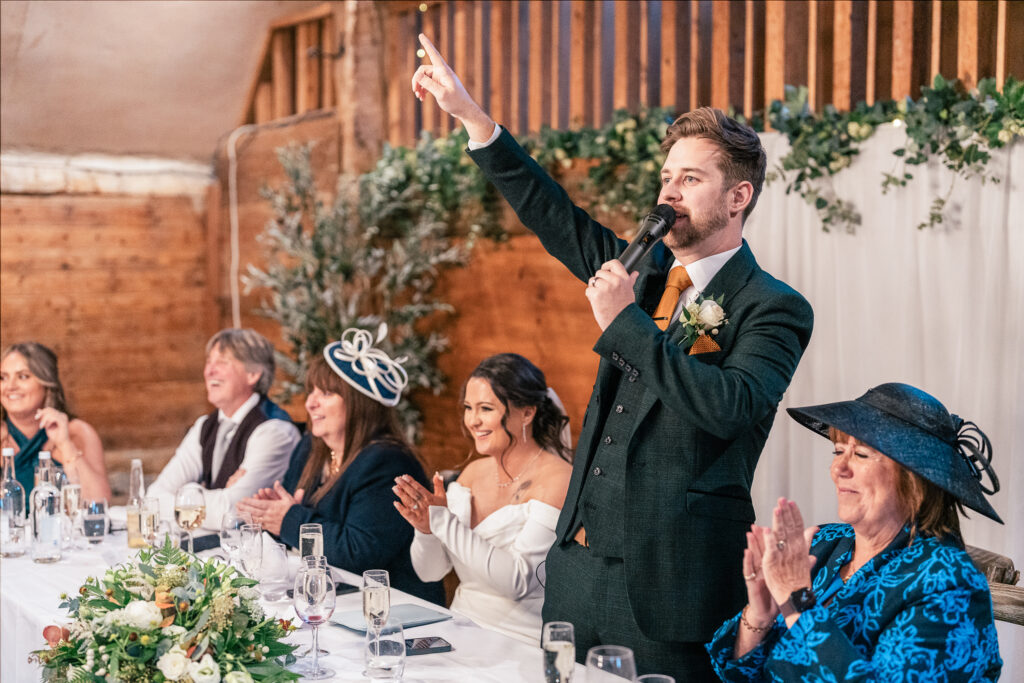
[(914, 429)]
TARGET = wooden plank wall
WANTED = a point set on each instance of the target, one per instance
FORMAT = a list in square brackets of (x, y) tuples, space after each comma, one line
[(572, 62), (117, 286)]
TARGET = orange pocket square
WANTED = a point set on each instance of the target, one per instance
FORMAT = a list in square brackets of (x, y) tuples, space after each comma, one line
[(704, 344)]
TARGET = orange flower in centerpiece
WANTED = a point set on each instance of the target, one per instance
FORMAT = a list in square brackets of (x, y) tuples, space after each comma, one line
[(54, 634)]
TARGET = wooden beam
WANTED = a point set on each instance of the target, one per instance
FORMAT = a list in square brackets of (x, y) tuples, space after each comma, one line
[(748, 58), (540, 65), (327, 45), (283, 68), (263, 104), (812, 54), (431, 113), (721, 15), (581, 65), (967, 43), (869, 85), (554, 112), (902, 48), (936, 49), (626, 92), (313, 14), (1001, 44), (775, 51), (248, 111), (842, 29), (695, 48)]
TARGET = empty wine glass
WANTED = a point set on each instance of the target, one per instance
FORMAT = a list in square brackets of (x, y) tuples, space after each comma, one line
[(559, 643), (610, 663), (190, 509), (250, 550), (231, 533), (314, 603), (313, 561), (376, 598)]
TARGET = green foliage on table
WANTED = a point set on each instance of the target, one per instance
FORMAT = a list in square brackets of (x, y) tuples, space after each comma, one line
[(163, 617)]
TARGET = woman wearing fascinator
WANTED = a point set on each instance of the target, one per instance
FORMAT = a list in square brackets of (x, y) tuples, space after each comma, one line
[(890, 594), (496, 523), (342, 471)]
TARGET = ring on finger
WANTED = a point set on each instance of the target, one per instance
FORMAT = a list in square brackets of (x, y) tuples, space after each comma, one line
[(751, 576), (415, 506), (780, 545)]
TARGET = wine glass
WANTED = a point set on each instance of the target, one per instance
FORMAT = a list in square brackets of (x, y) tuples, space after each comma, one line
[(314, 603), (559, 643), (71, 502), (610, 663), (190, 510), (231, 533), (376, 598), (655, 678), (150, 520), (250, 550), (312, 561)]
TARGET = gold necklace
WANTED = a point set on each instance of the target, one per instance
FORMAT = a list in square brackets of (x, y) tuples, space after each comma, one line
[(502, 485), (335, 465)]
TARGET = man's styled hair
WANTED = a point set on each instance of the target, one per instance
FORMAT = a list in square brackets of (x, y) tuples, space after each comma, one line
[(742, 156), (252, 349)]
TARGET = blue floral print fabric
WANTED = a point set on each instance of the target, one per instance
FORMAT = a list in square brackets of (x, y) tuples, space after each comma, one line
[(917, 614)]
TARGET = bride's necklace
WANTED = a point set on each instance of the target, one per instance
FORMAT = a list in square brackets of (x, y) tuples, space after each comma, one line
[(334, 466), (506, 484)]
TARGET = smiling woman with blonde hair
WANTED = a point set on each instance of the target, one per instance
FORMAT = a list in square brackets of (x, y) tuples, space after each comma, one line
[(36, 418)]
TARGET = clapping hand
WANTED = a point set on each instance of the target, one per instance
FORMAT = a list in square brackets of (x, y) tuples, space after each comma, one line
[(267, 511), (787, 561), (414, 501)]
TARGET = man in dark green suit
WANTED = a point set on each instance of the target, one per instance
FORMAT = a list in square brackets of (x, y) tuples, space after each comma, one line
[(697, 348)]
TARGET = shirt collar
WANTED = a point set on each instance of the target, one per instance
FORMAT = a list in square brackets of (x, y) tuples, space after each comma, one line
[(242, 411), (701, 272)]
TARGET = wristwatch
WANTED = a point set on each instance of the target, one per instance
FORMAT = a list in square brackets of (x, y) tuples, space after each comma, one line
[(800, 600)]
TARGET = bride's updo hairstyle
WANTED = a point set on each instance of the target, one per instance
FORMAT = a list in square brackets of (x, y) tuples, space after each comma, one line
[(518, 382)]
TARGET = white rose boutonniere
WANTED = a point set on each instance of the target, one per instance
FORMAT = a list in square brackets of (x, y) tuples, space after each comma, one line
[(702, 319)]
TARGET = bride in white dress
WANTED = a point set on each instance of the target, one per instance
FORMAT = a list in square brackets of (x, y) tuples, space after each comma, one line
[(496, 523)]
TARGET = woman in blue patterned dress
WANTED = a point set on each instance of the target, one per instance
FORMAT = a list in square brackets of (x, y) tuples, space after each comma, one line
[(889, 595)]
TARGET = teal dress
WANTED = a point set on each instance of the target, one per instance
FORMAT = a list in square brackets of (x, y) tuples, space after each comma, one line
[(27, 458), (916, 613)]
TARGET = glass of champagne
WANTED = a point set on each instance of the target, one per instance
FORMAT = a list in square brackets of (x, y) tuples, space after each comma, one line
[(71, 502), (314, 603), (559, 643), (250, 550), (311, 540), (150, 519), (189, 510), (376, 598), (610, 663), (94, 520)]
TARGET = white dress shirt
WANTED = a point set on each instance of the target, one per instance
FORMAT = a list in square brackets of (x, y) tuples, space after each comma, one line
[(266, 460)]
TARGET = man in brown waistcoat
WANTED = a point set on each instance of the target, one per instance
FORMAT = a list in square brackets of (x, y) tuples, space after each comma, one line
[(244, 444)]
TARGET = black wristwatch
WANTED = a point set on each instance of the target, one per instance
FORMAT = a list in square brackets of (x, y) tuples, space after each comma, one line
[(801, 600)]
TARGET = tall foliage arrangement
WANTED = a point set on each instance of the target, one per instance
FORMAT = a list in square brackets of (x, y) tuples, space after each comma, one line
[(370, 256)]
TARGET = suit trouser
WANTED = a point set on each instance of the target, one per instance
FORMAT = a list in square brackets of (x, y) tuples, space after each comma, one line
[(590, 592)]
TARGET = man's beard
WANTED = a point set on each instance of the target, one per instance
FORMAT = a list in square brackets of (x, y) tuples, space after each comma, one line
[(698, 228)]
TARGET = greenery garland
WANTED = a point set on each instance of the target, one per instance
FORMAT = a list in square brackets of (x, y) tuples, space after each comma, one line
[(375, 252)]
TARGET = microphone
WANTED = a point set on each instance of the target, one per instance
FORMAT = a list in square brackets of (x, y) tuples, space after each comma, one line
[(654, 226)]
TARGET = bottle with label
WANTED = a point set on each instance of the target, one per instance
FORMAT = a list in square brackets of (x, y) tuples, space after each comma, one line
[(12, 509), (136, 496), (47, 520)]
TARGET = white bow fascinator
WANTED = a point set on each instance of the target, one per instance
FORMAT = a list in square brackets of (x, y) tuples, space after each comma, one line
[(368, 369)]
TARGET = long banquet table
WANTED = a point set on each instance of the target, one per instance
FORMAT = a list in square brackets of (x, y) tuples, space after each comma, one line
[(31, 594)]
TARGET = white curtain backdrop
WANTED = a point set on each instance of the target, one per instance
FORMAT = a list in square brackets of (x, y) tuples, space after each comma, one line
[(939, 308)]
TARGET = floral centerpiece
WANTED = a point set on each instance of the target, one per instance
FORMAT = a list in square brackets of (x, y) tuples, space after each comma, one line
[(167, 616)]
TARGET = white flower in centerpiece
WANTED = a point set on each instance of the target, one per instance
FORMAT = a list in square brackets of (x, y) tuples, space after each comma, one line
[(174, 632), (206, 670), (711, 314), (174, 664), (237, 677), (142, 615)]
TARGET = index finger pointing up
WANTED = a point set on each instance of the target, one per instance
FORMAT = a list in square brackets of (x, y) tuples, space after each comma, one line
[(435, 57)]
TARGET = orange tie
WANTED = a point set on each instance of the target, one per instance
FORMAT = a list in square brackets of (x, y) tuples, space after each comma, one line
[(678, 281)]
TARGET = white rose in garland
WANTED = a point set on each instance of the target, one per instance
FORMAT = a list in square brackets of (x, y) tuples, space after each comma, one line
[(173, 664)]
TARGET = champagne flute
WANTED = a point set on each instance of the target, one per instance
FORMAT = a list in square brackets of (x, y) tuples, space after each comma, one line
[(314, 603), (190, 510), (231, 533), (150, 519), (610, 663), (311, 540), (71, 501), (376, 598), (559, 643), (250, 550)]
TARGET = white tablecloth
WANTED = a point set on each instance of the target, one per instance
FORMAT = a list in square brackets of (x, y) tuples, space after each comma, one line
[(31, 593)]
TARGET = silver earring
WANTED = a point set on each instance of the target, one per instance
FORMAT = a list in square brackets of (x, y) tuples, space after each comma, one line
[(524, 433)]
